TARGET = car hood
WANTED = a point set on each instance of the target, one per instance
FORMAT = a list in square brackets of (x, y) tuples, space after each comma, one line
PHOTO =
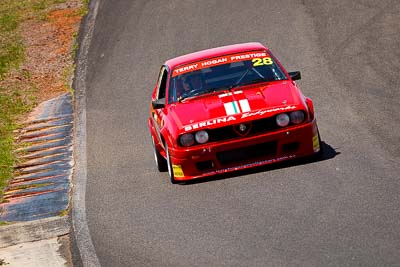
[(230, 107)]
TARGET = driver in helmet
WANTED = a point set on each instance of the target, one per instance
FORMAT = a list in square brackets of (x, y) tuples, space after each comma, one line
[(192, 83)]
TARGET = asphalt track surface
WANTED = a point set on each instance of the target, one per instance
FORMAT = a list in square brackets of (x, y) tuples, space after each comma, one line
[(342, 210)]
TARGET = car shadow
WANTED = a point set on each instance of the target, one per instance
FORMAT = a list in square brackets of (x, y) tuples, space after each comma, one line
[(328, 152)]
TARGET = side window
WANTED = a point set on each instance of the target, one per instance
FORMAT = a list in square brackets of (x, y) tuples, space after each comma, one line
[(162, 83)]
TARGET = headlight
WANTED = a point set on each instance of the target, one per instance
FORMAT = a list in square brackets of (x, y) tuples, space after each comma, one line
[(297, 117), (201, 137), (186, 139), (282, 120)]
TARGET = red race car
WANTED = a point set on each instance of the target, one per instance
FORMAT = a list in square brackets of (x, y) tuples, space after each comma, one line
[(226, 109)]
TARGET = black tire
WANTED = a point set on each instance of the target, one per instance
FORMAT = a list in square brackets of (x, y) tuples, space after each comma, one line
[(169, 165), (161, 162)]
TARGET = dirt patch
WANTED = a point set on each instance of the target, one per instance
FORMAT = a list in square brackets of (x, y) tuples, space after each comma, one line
[(49, 42)]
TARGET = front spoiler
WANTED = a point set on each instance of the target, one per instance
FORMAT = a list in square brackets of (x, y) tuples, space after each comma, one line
[(306, 134)]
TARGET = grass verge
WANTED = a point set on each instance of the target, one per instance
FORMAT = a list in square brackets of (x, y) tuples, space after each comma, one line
[(11, 102)]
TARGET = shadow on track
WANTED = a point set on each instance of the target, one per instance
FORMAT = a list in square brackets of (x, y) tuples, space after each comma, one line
[(328, 153)]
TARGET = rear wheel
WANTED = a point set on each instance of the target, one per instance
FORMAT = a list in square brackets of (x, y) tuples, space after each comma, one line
[(161, 163), (169, 164)]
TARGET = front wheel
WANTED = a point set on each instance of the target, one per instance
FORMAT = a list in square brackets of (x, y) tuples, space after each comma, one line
[(169, 164), (161, 163), (320, 154)]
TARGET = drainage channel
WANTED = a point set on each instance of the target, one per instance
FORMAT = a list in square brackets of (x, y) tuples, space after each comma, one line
[(42, 181)]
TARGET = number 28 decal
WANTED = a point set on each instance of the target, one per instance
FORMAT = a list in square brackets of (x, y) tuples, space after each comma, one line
[(261, 61)]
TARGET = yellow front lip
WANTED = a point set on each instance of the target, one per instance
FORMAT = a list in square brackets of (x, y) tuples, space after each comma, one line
[(177, 170), (316, 143)]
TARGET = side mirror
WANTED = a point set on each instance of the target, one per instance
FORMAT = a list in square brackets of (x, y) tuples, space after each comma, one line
[(295, 75), (157, 104)]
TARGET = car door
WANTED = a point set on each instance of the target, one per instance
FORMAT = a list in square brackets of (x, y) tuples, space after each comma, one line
[(158, 112)]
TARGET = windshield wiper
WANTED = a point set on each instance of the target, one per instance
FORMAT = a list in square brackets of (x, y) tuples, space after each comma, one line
[(250, 82), (198, 92), (217, 89)]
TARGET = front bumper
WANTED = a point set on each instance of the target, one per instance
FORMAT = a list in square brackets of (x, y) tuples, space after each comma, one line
[(246, 152)]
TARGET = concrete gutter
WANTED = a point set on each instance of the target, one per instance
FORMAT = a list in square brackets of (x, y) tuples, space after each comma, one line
[(82, 238), (32, 231)]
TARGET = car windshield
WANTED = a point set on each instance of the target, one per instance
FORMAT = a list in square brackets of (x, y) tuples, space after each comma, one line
[(223, 73)]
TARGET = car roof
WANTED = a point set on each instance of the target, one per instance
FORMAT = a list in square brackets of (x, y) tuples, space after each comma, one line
[(214, 52)]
